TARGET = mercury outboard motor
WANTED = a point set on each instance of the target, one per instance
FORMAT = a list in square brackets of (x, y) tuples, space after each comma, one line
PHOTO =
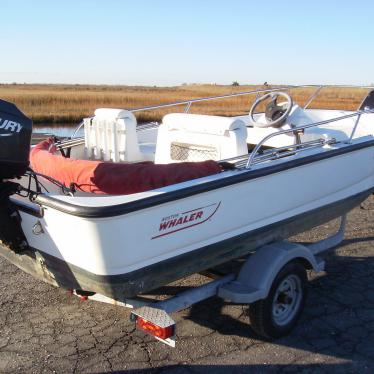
[(15, 138)]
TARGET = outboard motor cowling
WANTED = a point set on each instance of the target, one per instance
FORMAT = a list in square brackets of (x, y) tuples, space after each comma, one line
[(15, 139)]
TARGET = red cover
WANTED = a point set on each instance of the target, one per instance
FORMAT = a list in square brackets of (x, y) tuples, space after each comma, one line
[(112, 178)]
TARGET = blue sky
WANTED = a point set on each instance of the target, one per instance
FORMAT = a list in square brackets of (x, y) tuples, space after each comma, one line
[(164, 42)]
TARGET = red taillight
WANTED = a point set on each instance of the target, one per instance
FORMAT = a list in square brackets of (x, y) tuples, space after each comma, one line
[(151, 328)]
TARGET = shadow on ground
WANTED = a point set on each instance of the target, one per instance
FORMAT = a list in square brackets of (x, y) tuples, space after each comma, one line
[(42, 330)]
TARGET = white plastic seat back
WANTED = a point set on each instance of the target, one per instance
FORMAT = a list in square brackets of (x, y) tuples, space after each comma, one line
[(192, 137), (111, 136)]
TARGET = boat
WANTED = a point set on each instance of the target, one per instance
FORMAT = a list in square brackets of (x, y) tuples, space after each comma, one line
[(128, 208)]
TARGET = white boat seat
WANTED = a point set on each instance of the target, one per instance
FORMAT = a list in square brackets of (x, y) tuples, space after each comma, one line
[(192, 137), (340, 130), (111, 136)]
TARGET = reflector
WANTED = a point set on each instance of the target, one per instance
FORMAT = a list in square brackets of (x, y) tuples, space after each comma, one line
[(151, 328)]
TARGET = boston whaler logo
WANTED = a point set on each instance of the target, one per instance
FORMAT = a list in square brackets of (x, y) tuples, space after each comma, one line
[(181, 221), (6, 124)]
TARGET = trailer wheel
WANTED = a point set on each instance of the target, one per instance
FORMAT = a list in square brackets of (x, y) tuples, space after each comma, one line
[(276, 315)]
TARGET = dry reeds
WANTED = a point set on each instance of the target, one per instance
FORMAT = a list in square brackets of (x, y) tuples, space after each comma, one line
[(68, 104)]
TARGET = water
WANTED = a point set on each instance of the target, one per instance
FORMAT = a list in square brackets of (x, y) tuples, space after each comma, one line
[(61, 130)]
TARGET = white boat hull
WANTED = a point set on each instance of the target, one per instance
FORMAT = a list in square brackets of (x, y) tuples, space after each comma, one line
[(126, 254)]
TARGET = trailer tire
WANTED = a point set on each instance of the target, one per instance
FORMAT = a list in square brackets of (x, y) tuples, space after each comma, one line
[(277, 314)]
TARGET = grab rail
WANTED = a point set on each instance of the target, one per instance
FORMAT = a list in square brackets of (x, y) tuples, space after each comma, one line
[(188, 103), (251, 157), (313, 96)]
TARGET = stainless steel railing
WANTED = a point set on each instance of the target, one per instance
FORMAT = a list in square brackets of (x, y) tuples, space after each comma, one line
[(280, 152), (188, 103), (358, 114)]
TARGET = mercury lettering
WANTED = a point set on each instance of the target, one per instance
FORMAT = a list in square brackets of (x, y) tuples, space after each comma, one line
[(10, 125)]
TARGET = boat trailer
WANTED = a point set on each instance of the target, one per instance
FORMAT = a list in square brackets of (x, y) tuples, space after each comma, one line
[(272, 281)]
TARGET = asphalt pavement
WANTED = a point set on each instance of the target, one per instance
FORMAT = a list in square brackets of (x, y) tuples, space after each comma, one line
[(44, 330)]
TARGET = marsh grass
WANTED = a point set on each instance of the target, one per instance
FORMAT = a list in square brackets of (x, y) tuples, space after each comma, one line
[(68, 104)]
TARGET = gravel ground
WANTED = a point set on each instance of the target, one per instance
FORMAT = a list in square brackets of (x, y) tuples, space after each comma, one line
[(43, 330)]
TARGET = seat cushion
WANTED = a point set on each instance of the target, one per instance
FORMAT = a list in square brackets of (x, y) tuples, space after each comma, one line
[(114, 178)]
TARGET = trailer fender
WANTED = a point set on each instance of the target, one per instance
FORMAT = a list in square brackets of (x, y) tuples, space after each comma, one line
[(259, 271)]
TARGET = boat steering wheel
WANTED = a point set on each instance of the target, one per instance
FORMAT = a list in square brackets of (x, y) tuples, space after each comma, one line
[(275, 114)]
